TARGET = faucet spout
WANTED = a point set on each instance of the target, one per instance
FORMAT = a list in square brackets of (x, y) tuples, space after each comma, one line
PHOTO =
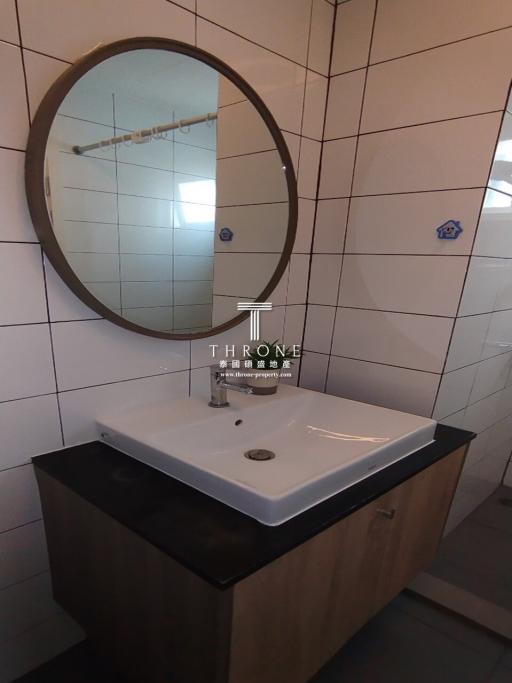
[(219, 386)]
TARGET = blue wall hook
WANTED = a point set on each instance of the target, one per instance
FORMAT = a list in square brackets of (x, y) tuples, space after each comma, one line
[(226, 235), (449, 230)]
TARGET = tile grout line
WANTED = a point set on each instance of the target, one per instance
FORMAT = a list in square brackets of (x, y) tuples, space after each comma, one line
[(43, 264), (347, 221), (317, 191)]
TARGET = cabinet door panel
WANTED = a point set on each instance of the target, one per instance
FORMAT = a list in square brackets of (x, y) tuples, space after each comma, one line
[(300, 609), (421, 510)]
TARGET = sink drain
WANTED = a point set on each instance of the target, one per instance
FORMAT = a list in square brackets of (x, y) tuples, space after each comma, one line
[(259, 454)]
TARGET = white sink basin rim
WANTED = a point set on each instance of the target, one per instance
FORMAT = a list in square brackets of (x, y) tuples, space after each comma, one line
[(322, 445)]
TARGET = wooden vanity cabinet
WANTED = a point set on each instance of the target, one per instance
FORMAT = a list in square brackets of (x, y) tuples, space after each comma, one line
[(161, 623)]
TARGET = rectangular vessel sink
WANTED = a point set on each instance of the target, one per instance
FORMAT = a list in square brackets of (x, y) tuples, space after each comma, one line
[(322, 444)]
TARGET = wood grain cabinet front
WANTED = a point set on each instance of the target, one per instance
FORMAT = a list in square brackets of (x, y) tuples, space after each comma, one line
[(161, 623)]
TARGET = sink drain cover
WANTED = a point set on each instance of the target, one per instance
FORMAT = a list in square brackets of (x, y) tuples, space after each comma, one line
[(259, 454)]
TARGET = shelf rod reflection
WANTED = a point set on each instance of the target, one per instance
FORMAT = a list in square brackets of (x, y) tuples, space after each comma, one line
[(139, 136)]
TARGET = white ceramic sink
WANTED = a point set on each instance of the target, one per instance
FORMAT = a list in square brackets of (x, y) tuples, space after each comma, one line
[(322, 444)]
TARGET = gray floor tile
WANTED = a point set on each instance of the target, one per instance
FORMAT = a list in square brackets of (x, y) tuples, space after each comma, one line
[(478, 558), (507, 658), (397, 648), (452, 626), (492, 513), (500, 675)]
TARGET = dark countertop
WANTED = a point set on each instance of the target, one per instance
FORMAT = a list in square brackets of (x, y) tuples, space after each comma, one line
[(211, 539)]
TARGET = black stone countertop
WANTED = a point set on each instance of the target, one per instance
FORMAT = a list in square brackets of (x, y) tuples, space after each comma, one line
[(211, 539)]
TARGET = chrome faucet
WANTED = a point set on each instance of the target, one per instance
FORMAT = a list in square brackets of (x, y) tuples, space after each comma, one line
[(219, 386)]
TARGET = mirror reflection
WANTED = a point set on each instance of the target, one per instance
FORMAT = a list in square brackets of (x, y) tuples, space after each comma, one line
[(166, 191)]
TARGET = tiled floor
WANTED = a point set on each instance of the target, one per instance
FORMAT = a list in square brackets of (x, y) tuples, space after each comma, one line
[(477, 555), (410, 641)]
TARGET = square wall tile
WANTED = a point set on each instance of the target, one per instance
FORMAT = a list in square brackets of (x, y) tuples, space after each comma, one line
[(13, 114), (308, 168), (322, 17), (494, 237), (319, 328), (8, 22), (430, 285), (352, 35), (157, 213), (97, 352), (337, 168), (485, 281), (499, 334), (263, 23), (304, 234), (344, 105), (467, 344), (27, 368), (278, 81), (481, 415), (406, 223), (81, 408), (253, 179), (15, 222), (383, 385), (313, 371), (491, 376), (29, 426), (454, 391), (22, 284), (331, 221), (419, 342), (324, 279), (23, 552), (437, 83), (298, 279), (414, 159), (435, 23), (19, 498), (86, 26), (294, 317), (241, 130), (315, 99)]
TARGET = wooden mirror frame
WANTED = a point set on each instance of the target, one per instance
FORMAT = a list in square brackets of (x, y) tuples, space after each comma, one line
[(35, 164)]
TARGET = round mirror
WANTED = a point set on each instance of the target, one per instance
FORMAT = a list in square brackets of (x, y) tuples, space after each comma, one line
[(161, 188)]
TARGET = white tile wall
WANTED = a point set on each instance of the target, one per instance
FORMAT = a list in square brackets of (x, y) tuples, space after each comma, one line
[(432, 156), (88, 351), (430, 96), (13, 114), (384, 385), (411, 341), (452, 155), (15, 224), (344, 106), (411, 284), (435, 23), (406, 223), (443, 91), (352, 36), (22, 284), (8, 23)]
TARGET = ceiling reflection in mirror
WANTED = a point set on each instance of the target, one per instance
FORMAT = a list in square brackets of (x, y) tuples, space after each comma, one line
[(166, 191)]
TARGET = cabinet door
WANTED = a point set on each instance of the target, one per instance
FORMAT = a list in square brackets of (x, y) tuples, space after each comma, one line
[(293, 615), (417, 524)]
